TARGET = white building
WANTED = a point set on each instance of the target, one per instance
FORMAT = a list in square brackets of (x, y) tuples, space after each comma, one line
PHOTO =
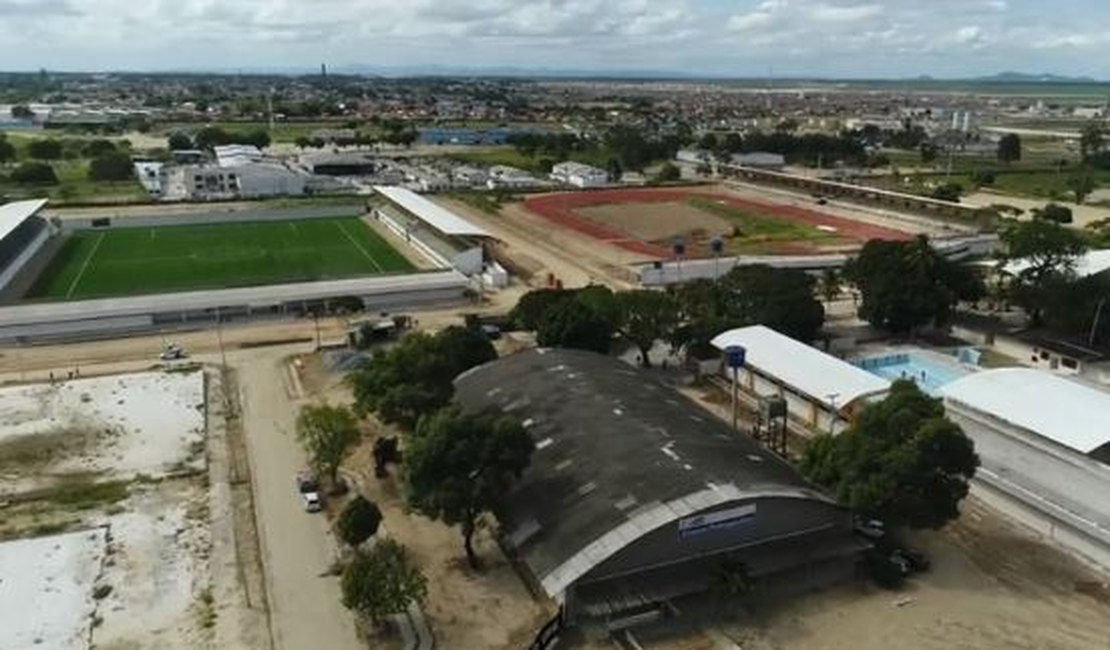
[(234, 155), (579, 175), (244, 181), (509, 177)]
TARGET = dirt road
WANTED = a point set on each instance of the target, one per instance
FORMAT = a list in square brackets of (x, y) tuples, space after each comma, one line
[(297, 547)]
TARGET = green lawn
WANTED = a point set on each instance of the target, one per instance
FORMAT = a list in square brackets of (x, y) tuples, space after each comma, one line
[(760, 233), (131, 261)]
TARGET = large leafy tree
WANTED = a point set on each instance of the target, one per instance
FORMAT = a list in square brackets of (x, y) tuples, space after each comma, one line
[(382, 581), (415, 377), (573, 324), (902, 461), (1042, 254), (647, 317), (7, 149), (530, 309), (112, 166), (1009, 148), (327, 433), (179, 141), (458, 465), (359, 521), (905, 285)]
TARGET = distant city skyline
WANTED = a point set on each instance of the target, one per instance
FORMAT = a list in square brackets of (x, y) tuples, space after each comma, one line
[(738, 38)]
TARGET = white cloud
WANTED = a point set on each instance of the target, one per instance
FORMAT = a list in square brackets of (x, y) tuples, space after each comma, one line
[(835, 14)]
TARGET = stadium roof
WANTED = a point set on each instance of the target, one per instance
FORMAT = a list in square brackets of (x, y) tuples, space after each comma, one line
[(13, 214), (1064, 411), (438, 217), (802, 368), (618, 455)]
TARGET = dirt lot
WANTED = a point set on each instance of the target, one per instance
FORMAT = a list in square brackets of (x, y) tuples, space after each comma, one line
[(489, 609), (655, 222)]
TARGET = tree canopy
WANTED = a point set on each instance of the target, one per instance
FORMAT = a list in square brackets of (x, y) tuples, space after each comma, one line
[(382, 581), (327, 433), (1009, 148), (358, 522), (1054, 212), (903, 461), (1047, 252), (905, 285), (45, 149), (458, 465), (646, 317), (179, 141), (415, 376), (111, 166), (7, 149), (34, 173), (575, 324)]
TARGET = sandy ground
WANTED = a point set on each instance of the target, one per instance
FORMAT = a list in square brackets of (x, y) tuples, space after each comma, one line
[(1082, 214), (656, 221), (573, 258)]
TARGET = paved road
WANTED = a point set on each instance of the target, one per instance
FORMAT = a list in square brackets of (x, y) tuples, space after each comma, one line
[(305, 609)]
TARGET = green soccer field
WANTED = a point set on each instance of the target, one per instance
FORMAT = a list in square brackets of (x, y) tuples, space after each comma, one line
[(133, 261)]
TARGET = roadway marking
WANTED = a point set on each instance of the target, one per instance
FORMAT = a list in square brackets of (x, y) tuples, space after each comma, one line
[(359, 247), (84, 267)]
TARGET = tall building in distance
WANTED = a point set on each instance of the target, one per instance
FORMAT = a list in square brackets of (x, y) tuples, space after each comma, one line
[(324, 70)]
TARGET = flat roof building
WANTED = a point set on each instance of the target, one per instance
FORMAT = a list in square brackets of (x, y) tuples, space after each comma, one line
[(579, 175), (635, 496)]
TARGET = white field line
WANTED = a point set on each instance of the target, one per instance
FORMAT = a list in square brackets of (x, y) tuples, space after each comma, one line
[(84, 267), (359, 247)]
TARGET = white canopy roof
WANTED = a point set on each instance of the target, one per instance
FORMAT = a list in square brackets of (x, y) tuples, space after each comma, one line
[(822, 377), (1064, 411), (1087, 264), (437, 216), (13, 214)]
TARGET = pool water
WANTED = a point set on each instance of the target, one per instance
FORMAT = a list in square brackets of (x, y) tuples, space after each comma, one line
[(928, 374)]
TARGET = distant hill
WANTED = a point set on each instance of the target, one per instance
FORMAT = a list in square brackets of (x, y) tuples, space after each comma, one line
[(1024, 77)]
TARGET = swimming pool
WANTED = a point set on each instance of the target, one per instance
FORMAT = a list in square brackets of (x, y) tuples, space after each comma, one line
[(930, 375)]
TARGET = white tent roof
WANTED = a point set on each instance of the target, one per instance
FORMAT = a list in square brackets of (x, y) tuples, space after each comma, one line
[(1064, 411), (437, 216), (802, 368), (1087, 264), (13, 214)]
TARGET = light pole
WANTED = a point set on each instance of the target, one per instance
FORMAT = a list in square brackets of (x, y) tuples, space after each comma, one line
[(679, 249), (717, 245), (734, 359), (833, 413)]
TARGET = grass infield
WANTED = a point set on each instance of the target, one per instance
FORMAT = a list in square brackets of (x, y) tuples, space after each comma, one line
[(134, 261)]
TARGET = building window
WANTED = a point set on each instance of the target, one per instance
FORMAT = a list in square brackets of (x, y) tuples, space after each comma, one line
[(1070, 364)]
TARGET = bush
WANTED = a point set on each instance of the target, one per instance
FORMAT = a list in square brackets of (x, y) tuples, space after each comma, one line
[(34, 173), (382, 581), (113, 166), (1054, 212), (98, 147), (358, 522), (948, 192), (45, 149)]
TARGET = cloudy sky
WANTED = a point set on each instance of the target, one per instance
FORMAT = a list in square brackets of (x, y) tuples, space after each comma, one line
[(839, 38)]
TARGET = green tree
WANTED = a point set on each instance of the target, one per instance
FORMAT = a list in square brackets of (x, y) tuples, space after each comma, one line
[(97, 148), (647, 317), (929, 152), (948, 192), (903, 461), (530, 309), (382, 581), (1009, 148), (708, 141), (905, 285), (303, 142), (358, 522), (327, 434), (459, 465), (415, 376), (212, 136), (1054, 212), (22, 112), (1041, 254), (573, 324), (45, 149), (1082, 183), (179, 141), (113, 166), (1092, 140), (34, 173), (257, 137), (668, 173), (615, 170), (7, 150)]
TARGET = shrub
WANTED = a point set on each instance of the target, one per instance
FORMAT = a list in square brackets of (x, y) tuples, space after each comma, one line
[(358, 522)]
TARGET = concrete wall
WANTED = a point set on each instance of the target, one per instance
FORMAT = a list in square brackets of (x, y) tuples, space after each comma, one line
[(132, 220)]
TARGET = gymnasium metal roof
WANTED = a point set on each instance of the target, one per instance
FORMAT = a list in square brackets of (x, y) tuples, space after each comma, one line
[(13, 214), (618, 455), (801, 368), (438, 217), (1064, 411)]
